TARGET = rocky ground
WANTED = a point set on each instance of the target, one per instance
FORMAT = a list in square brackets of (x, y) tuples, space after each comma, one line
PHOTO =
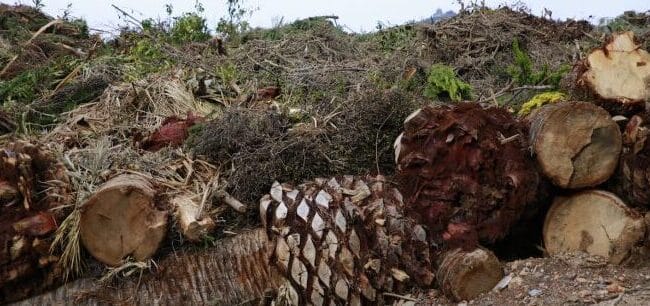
[(563, 280)]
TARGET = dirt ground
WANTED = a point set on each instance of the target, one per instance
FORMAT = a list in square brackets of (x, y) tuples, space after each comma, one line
[(563, 280)]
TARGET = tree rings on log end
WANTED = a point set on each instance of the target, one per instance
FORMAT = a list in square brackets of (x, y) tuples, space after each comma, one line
[(596, 222), (577, 144), (120, 219)]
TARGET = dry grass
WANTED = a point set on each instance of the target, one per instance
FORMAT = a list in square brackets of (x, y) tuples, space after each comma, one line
[(99, 141), (478, 44)]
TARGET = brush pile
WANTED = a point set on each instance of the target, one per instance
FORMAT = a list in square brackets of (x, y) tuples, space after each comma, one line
[(124, 165)]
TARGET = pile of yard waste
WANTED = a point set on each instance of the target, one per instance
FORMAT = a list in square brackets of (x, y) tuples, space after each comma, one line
[(166, 159)]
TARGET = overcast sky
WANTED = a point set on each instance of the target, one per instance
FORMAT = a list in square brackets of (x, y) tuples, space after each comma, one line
[(357, 15)]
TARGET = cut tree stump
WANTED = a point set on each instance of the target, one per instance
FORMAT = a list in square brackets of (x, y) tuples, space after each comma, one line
[(577, 144), (615, 75), (234, 272), (463, 275), (194, 224), (121, 219), (465, 173), (596, 222)]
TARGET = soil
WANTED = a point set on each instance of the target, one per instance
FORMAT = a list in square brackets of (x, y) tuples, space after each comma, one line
[(575, 279)]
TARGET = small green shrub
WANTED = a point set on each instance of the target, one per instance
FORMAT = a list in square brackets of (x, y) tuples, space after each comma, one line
[(522, 72), (22, 88), (235, 24), (321, 25), (146, 56), (396, 38), (442, 80), (227, 73), (190, 27)]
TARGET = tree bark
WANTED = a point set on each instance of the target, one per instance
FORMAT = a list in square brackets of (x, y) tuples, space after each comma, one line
[(614, 76), (463, 275), (33, 186), (465, 173), (596, 222), (121, 219), (577, 144), (344, 241), (235, 271), (633, 179)]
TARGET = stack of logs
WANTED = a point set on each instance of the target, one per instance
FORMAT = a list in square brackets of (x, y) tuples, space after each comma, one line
[(466, 175)]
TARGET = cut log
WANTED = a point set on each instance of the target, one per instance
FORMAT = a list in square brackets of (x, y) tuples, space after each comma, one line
[(465, 173), (234, 272), (120, 219), (231, 201), (194, 225), (344, 240), (464, 275), (596, 222), (577, 144), (633, 179), (616, 75), (33, 186)]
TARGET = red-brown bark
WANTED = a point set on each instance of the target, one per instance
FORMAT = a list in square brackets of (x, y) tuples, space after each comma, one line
[(32, 184), (465, 172)]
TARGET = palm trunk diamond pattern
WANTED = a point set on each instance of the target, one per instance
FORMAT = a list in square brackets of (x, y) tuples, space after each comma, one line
[(344, 241)]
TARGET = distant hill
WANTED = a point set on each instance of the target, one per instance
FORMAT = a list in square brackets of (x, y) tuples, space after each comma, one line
[(437, 16)]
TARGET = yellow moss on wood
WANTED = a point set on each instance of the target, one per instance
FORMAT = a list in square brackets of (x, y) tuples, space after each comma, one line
[(540, 100)]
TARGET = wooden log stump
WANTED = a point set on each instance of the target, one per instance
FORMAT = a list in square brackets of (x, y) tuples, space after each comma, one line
[(464, 275), (614, 76), (577, 144), (194, 224), (121, 219), (594, 221), (465, 173)]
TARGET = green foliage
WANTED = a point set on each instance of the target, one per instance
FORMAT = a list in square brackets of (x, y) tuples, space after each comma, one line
[(235, 24), (227, 73), (522, 72), (190, 27), (146, 56), (24, 87), (321, 25), (395, 38), (442, 80), (81, 25), (628, 21), (31, 84), (637, 22), (38, 4)]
